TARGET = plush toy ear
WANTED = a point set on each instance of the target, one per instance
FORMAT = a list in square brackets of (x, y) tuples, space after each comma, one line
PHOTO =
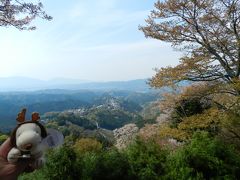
[(35, 116), (21, 116)]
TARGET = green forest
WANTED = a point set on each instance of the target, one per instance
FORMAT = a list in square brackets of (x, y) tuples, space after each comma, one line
[(189, 130)]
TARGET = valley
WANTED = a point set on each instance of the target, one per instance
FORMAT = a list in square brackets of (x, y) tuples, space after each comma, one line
[(109, 109)]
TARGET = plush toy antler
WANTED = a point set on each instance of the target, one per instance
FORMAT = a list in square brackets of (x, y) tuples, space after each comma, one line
[(21, 116), (35, 116)]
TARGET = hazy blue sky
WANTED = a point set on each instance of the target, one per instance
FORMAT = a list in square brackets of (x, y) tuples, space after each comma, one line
[(94, 40)]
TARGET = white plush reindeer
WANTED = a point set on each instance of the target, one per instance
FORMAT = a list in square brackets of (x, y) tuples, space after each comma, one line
[(26, 140)]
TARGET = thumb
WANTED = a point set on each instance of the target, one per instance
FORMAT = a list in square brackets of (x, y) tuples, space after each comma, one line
[(5, 148)]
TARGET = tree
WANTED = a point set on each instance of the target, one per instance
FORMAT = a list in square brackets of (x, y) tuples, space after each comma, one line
[(20, 14), (110, 164), (61, 164), (207, 30), (204, 157), (85, 145), (147, 160)]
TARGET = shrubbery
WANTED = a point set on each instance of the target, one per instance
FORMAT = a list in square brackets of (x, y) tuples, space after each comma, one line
[(61, 164), (106, 165), (146, 159), (204, 157)]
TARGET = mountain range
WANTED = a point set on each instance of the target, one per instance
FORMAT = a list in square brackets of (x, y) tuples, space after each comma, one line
[(30, 84)]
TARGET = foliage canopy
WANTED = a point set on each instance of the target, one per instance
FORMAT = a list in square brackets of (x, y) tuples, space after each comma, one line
[(208, 31)]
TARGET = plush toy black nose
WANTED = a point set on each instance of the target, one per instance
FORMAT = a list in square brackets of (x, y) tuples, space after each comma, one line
[(28, 146)]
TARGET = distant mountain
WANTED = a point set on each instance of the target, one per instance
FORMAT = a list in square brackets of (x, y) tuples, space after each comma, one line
[(66, 81), (30, 84), (43, 101), (19, 83), (133, 85)]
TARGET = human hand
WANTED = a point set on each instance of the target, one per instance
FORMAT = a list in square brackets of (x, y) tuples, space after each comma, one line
[(10, 171)]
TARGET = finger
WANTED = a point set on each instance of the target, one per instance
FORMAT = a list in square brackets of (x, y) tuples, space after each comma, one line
[(11, 171), (5, 148), (16, 169)]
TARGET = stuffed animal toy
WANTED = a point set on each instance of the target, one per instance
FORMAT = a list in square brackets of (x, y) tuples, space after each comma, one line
[(26, 140)]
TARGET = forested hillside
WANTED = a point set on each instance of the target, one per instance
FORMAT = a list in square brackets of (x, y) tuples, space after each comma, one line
[(61, 100)]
